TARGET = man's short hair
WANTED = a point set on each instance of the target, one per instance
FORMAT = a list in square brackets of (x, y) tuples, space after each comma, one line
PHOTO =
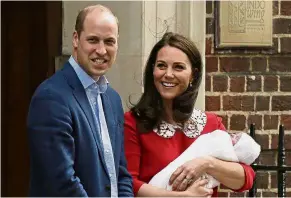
[(79, 25)]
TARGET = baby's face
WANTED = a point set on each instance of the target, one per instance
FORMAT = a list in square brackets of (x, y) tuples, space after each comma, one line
[(235, 137)]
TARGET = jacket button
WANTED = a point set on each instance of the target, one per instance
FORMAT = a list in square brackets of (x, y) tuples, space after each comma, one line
[(107, 188)]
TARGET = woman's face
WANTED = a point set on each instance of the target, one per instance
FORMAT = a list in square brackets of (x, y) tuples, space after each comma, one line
[(172, 72)]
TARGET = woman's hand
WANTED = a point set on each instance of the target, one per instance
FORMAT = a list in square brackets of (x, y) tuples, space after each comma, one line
[(198, 189), (188, 172)]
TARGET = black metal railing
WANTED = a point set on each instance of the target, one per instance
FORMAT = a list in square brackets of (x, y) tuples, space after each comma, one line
[(281, 168)]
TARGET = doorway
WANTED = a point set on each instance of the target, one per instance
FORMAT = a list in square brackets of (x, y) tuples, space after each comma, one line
[(31, 35)]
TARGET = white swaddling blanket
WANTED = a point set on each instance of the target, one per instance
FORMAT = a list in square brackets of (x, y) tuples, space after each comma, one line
[(217, 144)]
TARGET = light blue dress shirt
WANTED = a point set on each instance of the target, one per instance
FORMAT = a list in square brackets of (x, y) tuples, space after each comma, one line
[(93, 89)]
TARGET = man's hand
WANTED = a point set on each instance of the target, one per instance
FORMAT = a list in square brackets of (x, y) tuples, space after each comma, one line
[(189, 172)]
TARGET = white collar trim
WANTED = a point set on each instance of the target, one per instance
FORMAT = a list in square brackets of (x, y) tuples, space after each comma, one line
[(192, 127)]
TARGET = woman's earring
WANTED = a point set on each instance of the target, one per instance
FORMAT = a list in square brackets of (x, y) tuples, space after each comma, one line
[(190, 85)]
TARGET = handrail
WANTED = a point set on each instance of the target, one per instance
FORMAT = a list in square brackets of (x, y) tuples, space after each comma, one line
[(281, 168)]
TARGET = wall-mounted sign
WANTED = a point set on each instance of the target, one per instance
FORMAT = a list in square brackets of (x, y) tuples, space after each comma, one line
[(244, 23)]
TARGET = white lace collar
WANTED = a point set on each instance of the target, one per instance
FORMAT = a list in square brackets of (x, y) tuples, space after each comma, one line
[(192, 128)]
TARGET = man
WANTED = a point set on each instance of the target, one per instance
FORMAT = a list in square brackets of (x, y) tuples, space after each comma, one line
[(75, 120)]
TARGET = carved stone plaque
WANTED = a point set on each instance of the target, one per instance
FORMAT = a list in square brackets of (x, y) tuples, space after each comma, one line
[(244, 23)]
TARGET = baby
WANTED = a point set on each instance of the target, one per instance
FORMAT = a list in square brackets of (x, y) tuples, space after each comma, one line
[(235, 147)]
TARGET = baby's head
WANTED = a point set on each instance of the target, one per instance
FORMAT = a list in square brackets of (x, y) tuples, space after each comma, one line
[(235, 137), (245, 147)]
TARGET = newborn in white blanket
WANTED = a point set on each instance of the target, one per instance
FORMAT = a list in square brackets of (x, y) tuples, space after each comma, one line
[(239, 147)]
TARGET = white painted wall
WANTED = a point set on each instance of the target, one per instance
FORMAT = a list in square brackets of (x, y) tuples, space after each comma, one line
[(142, 23)]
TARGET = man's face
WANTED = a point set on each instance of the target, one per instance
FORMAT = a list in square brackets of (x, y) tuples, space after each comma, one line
[(95, 48)]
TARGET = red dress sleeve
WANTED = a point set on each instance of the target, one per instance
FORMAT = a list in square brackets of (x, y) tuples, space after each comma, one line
[(249, 178), (132, 150), (220, 124), (249, 172)]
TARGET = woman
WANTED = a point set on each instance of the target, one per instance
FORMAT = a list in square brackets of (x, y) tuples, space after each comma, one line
[(164, 123)]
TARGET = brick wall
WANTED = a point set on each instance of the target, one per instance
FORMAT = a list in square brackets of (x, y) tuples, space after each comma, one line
[(253, 86)]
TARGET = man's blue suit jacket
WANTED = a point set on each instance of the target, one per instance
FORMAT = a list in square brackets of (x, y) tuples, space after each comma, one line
[(65, 150)]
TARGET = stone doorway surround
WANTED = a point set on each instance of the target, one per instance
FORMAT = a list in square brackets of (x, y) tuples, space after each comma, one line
[(142, 23)]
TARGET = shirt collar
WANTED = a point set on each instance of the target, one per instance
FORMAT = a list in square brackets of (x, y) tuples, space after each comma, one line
[(192, 128), (87, 80)]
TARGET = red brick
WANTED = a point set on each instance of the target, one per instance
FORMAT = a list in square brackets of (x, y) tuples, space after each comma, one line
[(209, 25), (275, 47), (211, 64), (286, 8), (262, 180), (272, 50), (255, 119), (208, 83), (219, 83), (270, 83), (263, 140), (281, 103), (258, 194), (271, 122), (274, 179), (269, 194), (286, 45), (281, 26), (248, 103), (285, 83), (234, 64), (288, 180), (238, 103), (280, 64), (286, 121), (212, 103), (254, 84), (208, 45), (262, 103), (232, 103), (209, 7), (274, 141), (275, 8), (287, 140), (223, 194), (237, 194), (267, 158), (259, 64), (224, 120), (238, 122), (237, 84), (288, 158)]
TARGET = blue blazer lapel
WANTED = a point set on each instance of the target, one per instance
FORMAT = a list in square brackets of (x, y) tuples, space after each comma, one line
[(110, 118), (81, 98)]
